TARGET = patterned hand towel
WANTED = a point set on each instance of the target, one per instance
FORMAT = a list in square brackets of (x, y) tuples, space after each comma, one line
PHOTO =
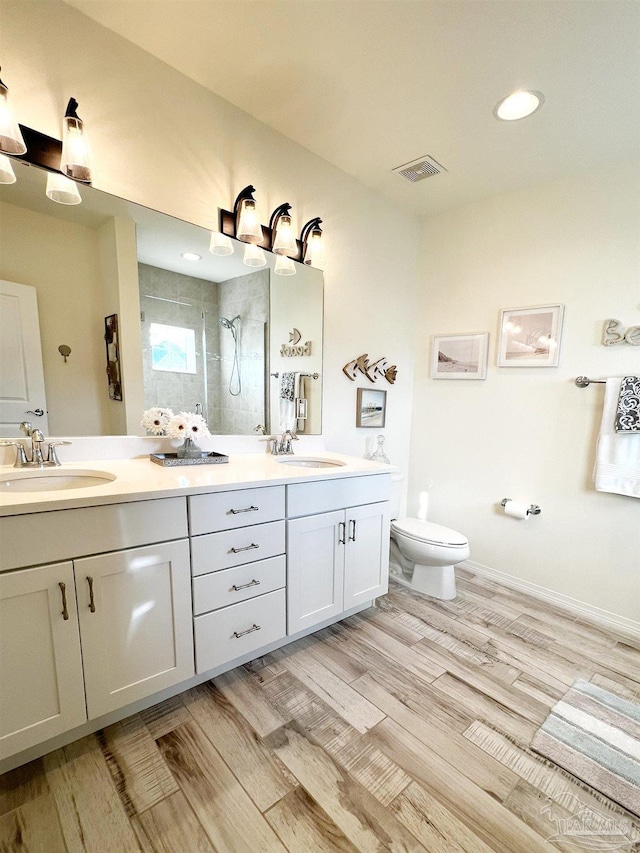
[(617, 466), (628, 411), (287, 382)]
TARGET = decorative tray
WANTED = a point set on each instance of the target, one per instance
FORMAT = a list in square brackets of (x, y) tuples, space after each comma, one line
[(168, 460)]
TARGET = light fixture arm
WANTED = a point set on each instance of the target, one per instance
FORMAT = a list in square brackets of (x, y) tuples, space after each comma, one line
[(281, 210), (72, 106), (311, 225), (246, 193)]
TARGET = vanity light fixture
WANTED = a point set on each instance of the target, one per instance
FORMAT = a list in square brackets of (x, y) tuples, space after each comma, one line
[(7, 175), (248, 227), (75, 161), (518, 105), (313, 248), (284, 265), (191, 256), (283, 238), (220, 244), (11, 141), (254, 256), (61, 189)]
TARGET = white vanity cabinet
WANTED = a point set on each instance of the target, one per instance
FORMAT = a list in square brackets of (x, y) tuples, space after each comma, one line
[(41, 686), (135, 617), (119, 630), (336, 560), (239, 573)]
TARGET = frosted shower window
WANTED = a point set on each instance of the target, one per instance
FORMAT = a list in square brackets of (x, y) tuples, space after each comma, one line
[(173, 348)]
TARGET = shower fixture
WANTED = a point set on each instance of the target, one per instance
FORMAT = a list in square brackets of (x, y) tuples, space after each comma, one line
[(235, 383)]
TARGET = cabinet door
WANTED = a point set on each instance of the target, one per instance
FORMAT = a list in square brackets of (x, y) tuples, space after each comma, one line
[(315, 569), (135, 623), (41, 688), (366, 571)]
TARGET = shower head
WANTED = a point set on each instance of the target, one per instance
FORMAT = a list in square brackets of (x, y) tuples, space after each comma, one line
[(229, 324)]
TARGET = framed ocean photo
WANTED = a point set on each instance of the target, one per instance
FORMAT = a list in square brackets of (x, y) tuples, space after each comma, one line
[(459, 356)]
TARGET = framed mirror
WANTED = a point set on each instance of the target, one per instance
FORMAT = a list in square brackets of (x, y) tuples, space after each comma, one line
[(205, 334)]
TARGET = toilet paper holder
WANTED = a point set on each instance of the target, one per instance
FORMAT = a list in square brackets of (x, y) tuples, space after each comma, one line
[(534, 509)]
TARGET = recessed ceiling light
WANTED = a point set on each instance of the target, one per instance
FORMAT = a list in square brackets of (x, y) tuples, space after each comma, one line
[(191, 256), (518, 105)]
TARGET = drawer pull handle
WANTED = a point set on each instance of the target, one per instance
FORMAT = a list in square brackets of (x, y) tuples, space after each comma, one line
[(246, 509), (341, 533), (246, 548), (63, 591), (254, 582), (352, 530), (92, 603), (250, 630)]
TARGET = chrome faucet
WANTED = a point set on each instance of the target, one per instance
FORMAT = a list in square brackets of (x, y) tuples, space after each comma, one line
[(37, 459), (280, 446)]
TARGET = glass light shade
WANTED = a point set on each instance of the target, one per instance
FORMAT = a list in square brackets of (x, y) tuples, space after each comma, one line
[(7, 175), (518, 105), (315, 254), (11, 141), (284, 266), (220, 244), (62, 190), (249, 229), (284, 240), (76, 156), (254, 256)]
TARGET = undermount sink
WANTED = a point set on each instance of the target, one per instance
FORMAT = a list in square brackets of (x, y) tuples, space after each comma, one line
[(309, 462), (54, 479)]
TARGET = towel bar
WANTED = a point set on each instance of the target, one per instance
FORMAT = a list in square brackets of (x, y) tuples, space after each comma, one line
[(583, 381), (306, 375)]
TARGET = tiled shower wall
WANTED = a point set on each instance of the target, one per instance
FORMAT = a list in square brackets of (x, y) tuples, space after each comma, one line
[(175, 299), (247, 296)]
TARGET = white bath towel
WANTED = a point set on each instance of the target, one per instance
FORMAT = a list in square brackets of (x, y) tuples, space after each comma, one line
[(617, 466)]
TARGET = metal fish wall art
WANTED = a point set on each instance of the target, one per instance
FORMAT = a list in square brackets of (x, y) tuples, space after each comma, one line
[(372, 370)]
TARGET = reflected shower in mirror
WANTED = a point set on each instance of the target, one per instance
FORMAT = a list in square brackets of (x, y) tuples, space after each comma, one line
[(171, 294)]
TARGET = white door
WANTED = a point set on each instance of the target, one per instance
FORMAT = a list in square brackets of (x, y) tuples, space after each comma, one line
[(136, 623), (366, 571), (315, 569), (41, 687), (21, 374)]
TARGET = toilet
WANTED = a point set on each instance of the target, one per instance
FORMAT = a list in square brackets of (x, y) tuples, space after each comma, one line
[(423, 556)]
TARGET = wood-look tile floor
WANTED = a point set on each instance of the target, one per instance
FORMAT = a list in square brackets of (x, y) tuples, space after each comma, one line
[(405, 728)]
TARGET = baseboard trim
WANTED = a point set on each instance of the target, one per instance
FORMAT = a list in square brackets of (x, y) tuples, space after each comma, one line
[(579, 608)]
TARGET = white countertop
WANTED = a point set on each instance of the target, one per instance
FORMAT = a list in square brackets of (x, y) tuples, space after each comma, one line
[(141, 479)]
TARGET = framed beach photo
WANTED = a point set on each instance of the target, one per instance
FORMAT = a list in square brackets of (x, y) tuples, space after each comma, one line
[(459, 356), (371, 407), (530, 337)]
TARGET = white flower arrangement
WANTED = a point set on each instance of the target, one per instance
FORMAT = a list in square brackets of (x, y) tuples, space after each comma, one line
[(187, 424), (156, 420)]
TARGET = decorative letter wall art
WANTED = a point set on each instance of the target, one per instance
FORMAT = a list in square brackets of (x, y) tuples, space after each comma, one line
[(614, 333)]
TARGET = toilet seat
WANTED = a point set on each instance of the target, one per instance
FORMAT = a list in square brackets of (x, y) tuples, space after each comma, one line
[(429, 532)]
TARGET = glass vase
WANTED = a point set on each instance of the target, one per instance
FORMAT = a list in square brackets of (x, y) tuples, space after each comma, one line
[(189, 449)]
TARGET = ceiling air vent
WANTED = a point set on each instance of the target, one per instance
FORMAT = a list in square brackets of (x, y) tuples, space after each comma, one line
[(418, 170)]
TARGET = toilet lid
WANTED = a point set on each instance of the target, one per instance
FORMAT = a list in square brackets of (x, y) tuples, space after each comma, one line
[(427, 531)]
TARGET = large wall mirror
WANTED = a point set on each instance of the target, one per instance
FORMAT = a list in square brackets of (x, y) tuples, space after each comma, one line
[(209, 335)]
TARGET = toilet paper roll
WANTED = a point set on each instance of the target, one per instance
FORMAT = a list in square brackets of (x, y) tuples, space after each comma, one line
[(517, 509)]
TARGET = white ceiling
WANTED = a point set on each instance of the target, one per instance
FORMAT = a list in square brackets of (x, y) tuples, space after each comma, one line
[(371, 84)]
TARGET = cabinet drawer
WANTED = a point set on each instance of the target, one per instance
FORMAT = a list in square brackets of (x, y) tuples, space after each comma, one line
[(225, 510), (230, 586), (239, 629), (329, 495), (27, 540), (235, 547)]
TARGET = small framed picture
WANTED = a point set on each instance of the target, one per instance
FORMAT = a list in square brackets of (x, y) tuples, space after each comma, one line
[(371, 407), (459, 356), (530, 337)]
